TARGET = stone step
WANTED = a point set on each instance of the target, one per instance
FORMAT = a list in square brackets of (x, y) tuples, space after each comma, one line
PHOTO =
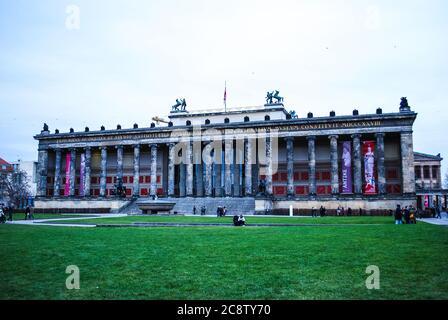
[(185, 205)]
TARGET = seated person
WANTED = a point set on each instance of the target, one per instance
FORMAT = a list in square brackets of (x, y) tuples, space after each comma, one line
[(241, 221), (235, 220)]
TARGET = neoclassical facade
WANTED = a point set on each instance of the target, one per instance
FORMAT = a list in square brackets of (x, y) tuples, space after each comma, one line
[(263, 159)]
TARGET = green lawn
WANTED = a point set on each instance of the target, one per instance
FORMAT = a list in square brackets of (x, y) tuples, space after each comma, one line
[(225, 263), (228, 220)]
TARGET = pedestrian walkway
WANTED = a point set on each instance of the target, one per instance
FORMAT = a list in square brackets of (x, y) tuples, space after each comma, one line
[(439, 222), (49, 222)]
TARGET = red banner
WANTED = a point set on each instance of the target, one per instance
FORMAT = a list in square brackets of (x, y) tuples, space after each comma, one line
[(368, 151)]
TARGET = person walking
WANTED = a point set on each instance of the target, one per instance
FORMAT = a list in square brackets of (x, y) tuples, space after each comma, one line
[(2, 214), (398, 215), (10, 213), (349, 212), (407, 215), (412, 215), (313, 212), (27, 212), (438, 215), (31, 213)]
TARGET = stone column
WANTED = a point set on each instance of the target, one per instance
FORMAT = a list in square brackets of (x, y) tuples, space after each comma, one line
[(236, 172), (381, 169), (136, 184), (312, 165), (42, 166), (218, 165), (88, 157), (189, 170), (119, 162), (182, 180), (171, 169), (199, 173), (357, 163), (334, 164), (57, 173), (431, 184), (439, 177), (248, 167), (208, 169), (227, 167), (72, 171), (269, 190), (422, 177), (290, 165), (153, 185), (407, 163), (103, 173)]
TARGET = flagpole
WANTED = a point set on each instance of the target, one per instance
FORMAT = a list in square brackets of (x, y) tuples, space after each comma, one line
[(225, 96)]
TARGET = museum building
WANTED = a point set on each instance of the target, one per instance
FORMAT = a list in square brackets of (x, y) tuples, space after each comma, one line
[(253, 160)]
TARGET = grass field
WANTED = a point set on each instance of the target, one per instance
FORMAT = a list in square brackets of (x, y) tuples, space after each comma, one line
[(225, 263)]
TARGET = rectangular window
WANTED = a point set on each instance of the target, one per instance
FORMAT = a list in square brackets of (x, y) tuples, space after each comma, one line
[(426, 172), (392, 174), (321, 190), (279, 190), (417, 172), (434, 172), (326, 176)]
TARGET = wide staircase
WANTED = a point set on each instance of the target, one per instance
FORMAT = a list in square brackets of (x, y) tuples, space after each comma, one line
[(234, 206)]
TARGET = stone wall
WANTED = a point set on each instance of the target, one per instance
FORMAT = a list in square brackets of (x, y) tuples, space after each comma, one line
[(303, 207), (79, 206)]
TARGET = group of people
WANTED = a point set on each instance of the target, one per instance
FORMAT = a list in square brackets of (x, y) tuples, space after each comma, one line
[(221, 211), (408, 213), (203, 210), (7, 213), (340, 211)]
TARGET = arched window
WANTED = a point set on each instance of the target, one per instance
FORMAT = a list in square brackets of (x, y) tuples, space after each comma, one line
[(207, 121), (246, 119), (226, 120), (188, 123), (267, 118)]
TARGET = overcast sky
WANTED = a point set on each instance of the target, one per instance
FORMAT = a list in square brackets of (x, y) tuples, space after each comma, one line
[(130, 60)]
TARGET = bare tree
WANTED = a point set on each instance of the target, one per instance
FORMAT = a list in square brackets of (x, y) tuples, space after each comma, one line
[(15, 186)]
